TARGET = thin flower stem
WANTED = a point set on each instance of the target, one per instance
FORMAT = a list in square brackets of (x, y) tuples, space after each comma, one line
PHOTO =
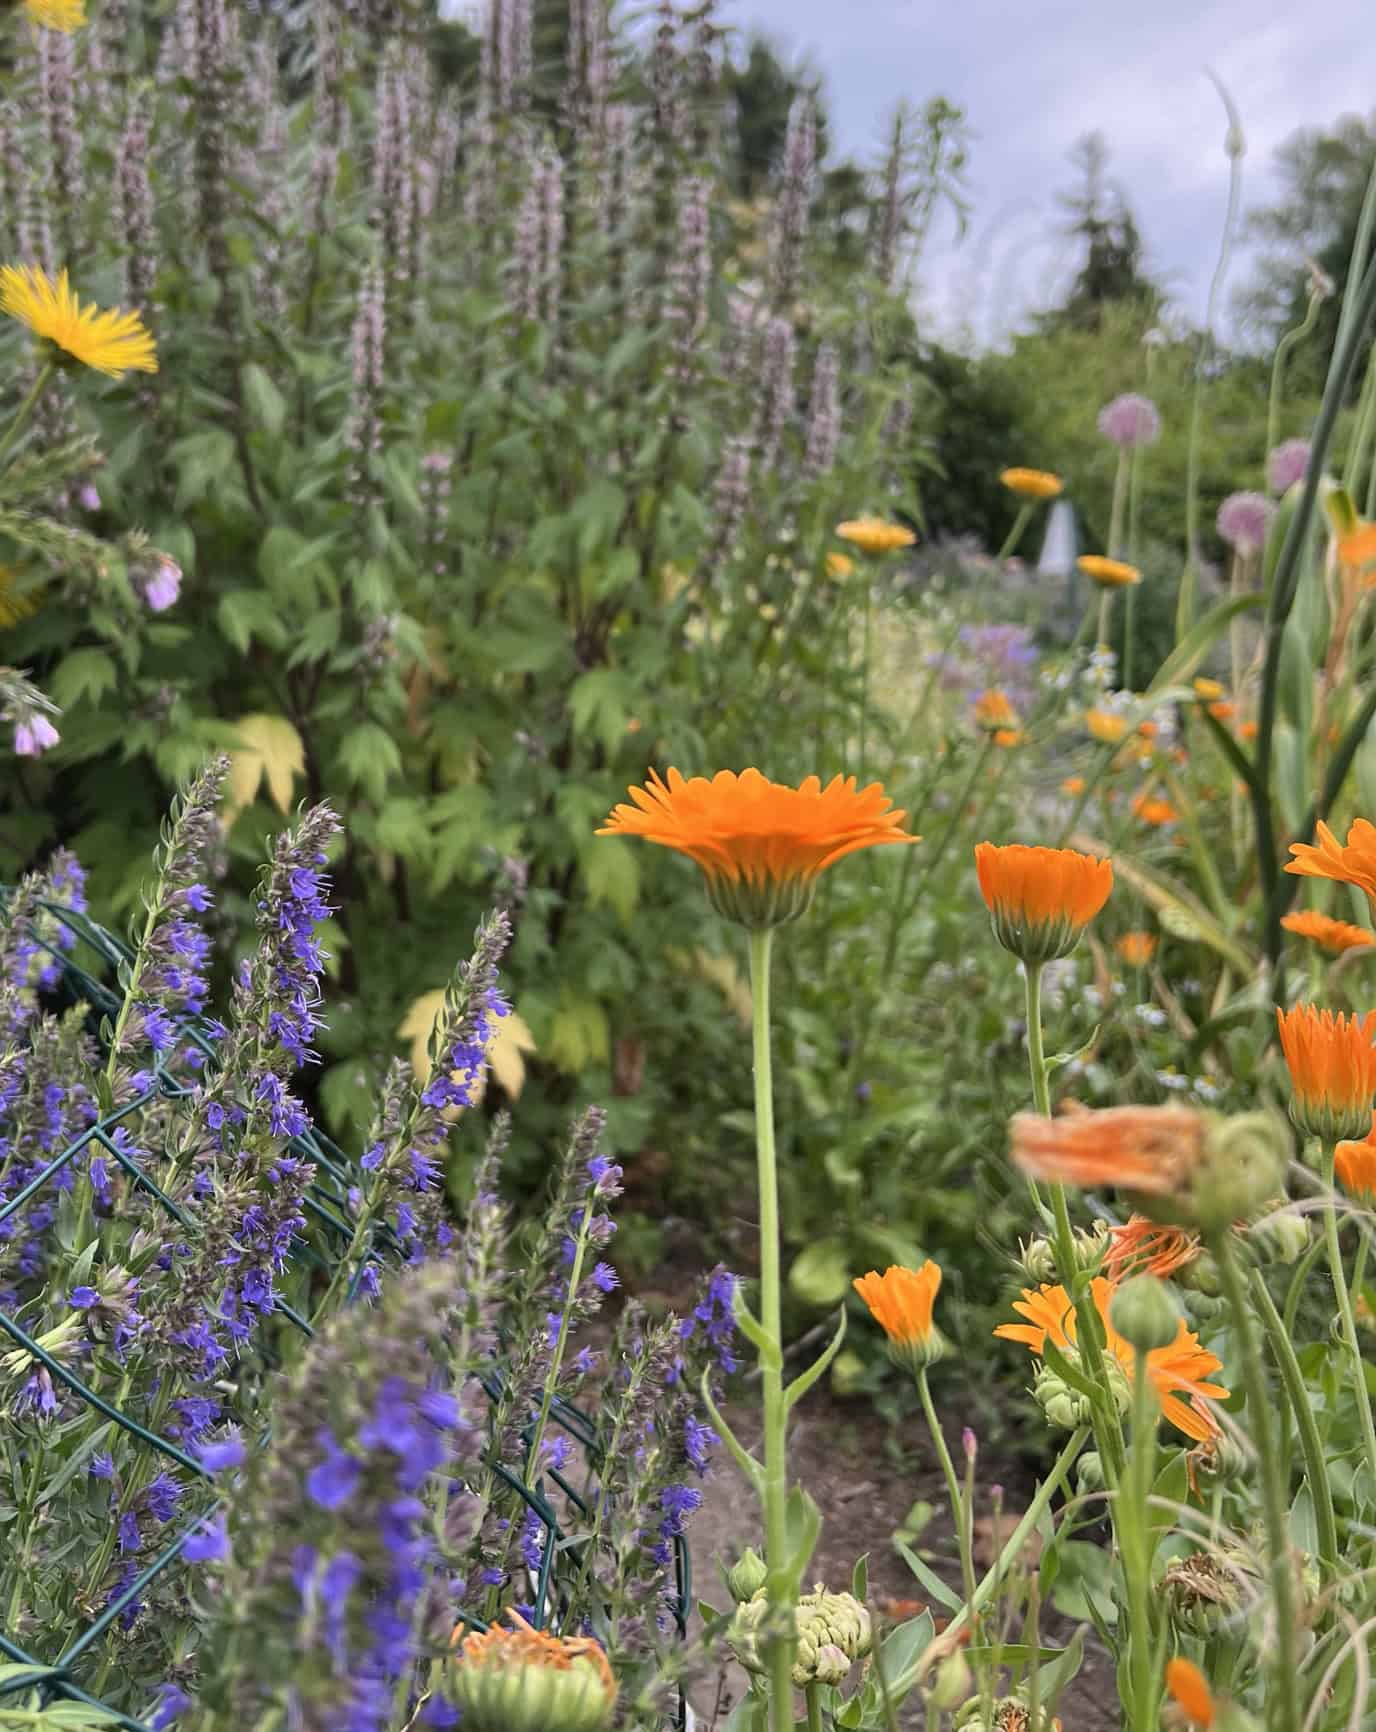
[(1115, 519), (1296, 334), (1014, 536), (865, 677), (1344, 1298), (1311, 1446), (775, 1496), (25, 409), (1285, 1665), (1134, 1541), (959, 1511), (552, 1375), (1105, 601)]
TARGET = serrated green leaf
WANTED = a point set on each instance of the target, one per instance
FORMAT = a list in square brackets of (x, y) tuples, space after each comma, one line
[(267, 407), (85, 673), (369, 757)]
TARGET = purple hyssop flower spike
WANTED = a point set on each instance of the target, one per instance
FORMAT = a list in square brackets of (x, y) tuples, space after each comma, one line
[(1287, 464), (1130, 420), (1243, 521)]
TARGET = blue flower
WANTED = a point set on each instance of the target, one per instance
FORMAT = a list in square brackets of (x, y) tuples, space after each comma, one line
[(171, 1702), (333, 1481), (208, 1544), (227, 1453), (102, 1466), (162, 1496), (83, 1298)]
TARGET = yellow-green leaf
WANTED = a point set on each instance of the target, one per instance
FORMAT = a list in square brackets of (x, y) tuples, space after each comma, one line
[(269, 749), (506, 1052)]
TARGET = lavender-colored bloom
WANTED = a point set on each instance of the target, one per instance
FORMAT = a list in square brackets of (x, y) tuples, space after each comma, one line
[(689, 275), (699, 1440), (795, 199), (823, 412), (776, 390), (364, 430), (161, 1497), (333, 1481), (83, 1298), (88, 497), (209, 1544), (226, 1453), (172, 1701), (102, 1465), (163, 587), (57, 84), (33, 736), (1244, 520), (1287, 464), (135, 194), (605, 1278), (1130, 420)]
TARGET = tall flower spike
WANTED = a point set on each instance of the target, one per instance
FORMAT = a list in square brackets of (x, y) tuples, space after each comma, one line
[(795, 198), (823, 412), (761, 845), (1332, 1064), (1041, 899)]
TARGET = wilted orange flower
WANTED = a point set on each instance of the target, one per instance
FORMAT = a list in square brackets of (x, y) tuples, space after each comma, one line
[(1355, 1164), (1106, 725), (1152, 809), (1151, 1150), (1007, 738), (1032, 483), (1182, 1368), (875, 535), (1136, 948), (1189, 1690), (1073, 785), (901, 1301), (1351, 863), (1142, 1247), (993, 710), (1041, 899), (1357, 552), (761, 844), (1332, 1064), (1208, 690), (840, 565), (1334, 935), (1108, 573)]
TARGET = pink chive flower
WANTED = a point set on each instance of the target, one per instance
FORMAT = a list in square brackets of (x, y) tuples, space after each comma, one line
[(165, 585), (1243, 521), (88, 498), (1130, 420), (33, 736), (1287, 464)]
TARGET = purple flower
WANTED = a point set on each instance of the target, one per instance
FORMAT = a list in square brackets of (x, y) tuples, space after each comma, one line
[(699, 1441), (102, 1466), (1287, 464), (87, 497), (171, 1701), (605, 1278), (677, 1502), (1243, 521), (227, 1453), (164, 586), (128, 1531), (208, 1544), (333, 1481), (162, 1497), (83, 1298), (336, 1582), (1130, 420), (34, 736)]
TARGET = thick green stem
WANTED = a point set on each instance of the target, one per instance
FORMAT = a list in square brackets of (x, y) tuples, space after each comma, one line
[(813, 1697), (1284, 1681), (1311, 1446), (1134, 1542), (25, 409), (959, 1511), (1344, 1298), (1105, 602), (775, 1489)]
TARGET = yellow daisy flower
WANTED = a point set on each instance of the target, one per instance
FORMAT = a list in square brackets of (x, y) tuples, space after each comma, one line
[(63, 15), (109, 342)]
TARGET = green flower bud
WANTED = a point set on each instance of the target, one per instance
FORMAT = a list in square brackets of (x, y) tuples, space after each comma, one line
[(830, 1666), (1089, 1473), (825, 1626), (1145, 1314), (1218, 1460), (1063, 1406), (746, 1578), (1244, 1165), (1038, 1261), (1202, 1276), (1091, 1245), (1279, 1237), (952, 1683)]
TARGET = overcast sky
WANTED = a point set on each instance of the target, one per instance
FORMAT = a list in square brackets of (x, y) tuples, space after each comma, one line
[(1034, 75)]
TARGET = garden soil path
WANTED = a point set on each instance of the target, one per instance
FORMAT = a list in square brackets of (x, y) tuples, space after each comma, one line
[(838, 1450)]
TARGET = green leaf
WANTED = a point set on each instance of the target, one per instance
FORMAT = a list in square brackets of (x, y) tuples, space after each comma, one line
[(899, 1653), (266, 405), (598, 703), (245, 614), (928, 1577), (769, 1350), (1184, 660), (611, 872), (804, 1526), (402, 829), (820, 1273), (85, 673), (860, 1578), (805, 1379), (369, 757)]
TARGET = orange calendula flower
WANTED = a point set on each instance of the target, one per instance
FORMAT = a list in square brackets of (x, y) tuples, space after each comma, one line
[(1357, 552), (1183, 1369), (1032, 483), (1136, 948), (1152, 1151), (507, 1679), (875, 534), (901, 1301), (1007, 738), (1332, 1064), (1189, 1690), (1208, 690), (1152, 809), (109, 342), (1041, 899), (1108, 573), (993, 710), (1355, 1165), (1106, 725), (760, 844), (1073, 785), (840, 565), (1223, 711), (1334, 935), (1143, 1247), (1353, 862)]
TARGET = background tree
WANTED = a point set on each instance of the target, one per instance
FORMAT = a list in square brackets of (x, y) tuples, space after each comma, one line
[(1112, 270)]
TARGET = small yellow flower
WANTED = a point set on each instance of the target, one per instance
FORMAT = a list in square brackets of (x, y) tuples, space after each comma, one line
[(110, 342), (840, 565), (63, 15), (1208, 691), (875, 534), (1108, 573), (1032, 483), (1106, 725)]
